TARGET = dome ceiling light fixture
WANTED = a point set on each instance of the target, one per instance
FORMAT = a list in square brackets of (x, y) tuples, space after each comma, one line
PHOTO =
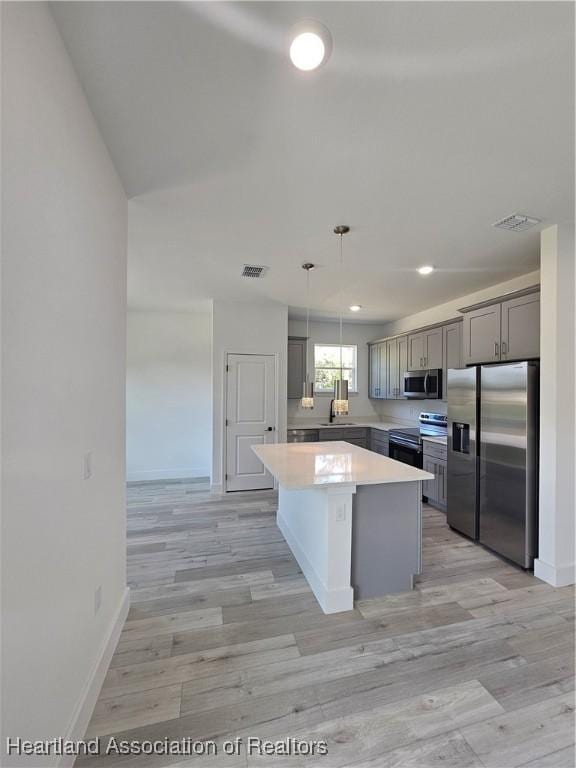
[(426, 270), (310, 45), (355, 308)]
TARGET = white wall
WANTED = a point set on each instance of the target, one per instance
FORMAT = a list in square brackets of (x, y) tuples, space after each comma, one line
[(449, 310), (408, 411), (556, 560), (63, 379), (169, 395), (360, 404), (250, 328)]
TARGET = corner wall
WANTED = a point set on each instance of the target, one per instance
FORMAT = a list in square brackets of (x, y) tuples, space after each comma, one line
[(169, 395), (556, 556), (63, 383), (249, 328)]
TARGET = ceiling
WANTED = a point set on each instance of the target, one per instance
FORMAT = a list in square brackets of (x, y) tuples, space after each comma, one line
[(429, 122)]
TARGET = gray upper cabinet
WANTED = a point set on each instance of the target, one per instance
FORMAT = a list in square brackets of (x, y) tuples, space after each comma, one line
[(416, 352), (433, 348), (402, 363), (377, 373), (392, 369), (425, 350), (296, 366), (397, 364), (507, 330), (481, 335), (452, 352), (521, 328)]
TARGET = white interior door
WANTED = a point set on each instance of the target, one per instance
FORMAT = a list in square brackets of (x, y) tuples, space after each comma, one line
[(250, 419)]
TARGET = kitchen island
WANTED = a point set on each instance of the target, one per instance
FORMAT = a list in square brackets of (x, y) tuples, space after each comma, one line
[(352, 518)]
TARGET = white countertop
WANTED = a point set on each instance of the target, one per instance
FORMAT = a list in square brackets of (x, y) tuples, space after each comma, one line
[(440, 440), (298, 466), (385, 426)]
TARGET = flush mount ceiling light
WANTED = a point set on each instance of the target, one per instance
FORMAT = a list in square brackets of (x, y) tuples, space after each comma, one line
[(426, 270), (310, 45), (355, 308)]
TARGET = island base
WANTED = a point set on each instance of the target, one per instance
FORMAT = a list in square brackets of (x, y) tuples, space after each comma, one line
[(354, 542)]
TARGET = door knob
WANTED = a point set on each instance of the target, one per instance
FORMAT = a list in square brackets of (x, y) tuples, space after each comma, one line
[(269, 429)]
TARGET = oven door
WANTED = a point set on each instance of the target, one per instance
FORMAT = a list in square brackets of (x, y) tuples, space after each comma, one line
[(423, 385), (405, 453)]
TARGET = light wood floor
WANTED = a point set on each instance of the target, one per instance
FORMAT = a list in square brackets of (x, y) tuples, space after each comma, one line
[(224, 638)]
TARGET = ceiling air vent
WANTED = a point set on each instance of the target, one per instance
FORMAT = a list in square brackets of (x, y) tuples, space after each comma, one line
[(252, 270), (517, 222)]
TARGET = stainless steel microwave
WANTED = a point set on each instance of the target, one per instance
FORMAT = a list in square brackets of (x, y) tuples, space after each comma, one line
[(423, 385)]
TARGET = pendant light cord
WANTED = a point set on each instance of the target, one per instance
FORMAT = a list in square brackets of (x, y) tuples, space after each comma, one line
[(307, 312), (341, 302)]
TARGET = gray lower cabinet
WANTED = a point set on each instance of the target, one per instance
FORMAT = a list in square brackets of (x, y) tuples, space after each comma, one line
[(297, 349), (354, 435), (434, 461), (302, 436), (360, 436), (379, 441)]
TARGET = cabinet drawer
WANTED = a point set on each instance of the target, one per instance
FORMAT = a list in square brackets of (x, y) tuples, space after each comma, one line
[(435, 450), (358, 433), (302, 435), (331, 434), (359, 441)]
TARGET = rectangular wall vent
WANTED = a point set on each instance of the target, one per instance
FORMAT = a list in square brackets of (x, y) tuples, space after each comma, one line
[(252, 270), (517, 222)]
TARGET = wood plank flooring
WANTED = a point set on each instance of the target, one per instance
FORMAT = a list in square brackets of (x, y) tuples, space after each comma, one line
[(224, 639)]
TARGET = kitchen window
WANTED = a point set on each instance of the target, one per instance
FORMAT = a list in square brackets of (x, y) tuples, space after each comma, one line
[(327, 366)]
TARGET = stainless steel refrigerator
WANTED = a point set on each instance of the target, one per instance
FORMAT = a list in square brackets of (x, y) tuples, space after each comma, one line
[(493, 457)]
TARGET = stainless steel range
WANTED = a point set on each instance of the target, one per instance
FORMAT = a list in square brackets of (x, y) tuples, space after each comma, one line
[(405, 444)]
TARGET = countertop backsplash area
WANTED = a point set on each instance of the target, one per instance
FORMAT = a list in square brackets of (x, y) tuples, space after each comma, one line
[(402, 412), (407, 410)]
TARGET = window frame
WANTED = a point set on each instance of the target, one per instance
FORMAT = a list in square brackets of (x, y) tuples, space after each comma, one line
[(353, 369)]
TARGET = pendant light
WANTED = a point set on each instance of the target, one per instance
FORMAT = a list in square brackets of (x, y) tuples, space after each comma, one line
[(307, 401), (340, 406)]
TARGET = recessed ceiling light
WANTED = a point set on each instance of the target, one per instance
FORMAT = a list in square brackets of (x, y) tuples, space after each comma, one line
[(355, 308), (427, 270), (307, 51), (310, 45)]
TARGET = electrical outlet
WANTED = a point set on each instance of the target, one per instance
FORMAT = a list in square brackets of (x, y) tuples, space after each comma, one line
[(341, 514), (87, 465), (97, 599)]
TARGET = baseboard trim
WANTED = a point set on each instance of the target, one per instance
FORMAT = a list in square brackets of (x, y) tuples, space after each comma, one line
[(217, 489), (557, 576), (168, 474), (331, 601), (87, 701)]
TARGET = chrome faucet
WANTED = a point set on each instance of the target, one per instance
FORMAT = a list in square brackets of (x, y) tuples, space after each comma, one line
[(331, 411)]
